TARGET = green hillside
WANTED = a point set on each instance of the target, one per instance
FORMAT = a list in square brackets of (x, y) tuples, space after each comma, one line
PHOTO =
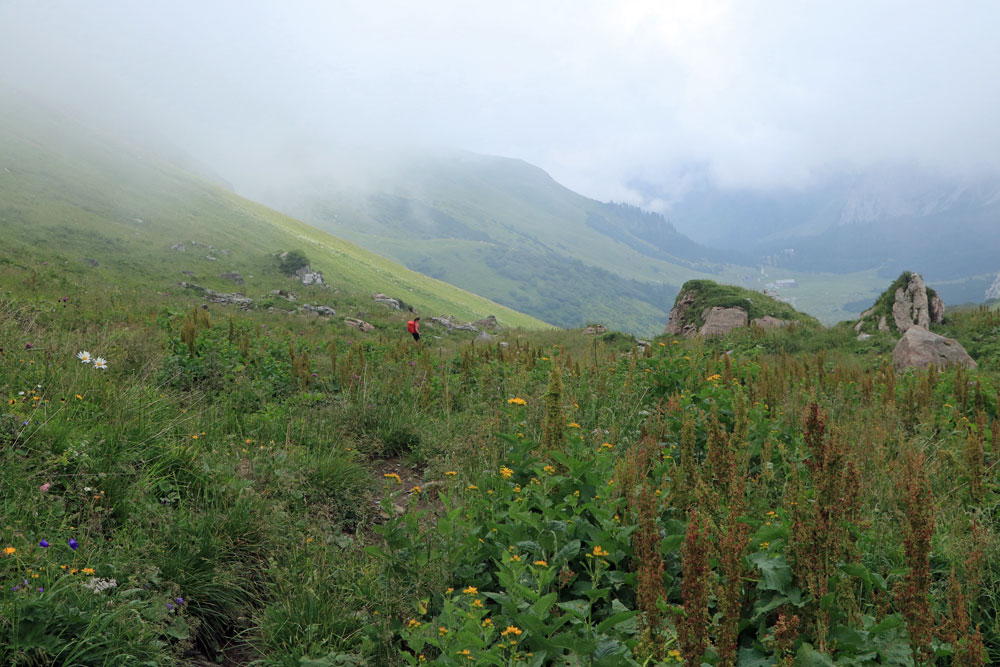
[(111, 212)]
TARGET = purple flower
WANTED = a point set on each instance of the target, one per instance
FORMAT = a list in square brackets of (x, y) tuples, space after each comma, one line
[(180, 600), (73, 544), (41, 589), (170, 607), (28, 346), (16, 587), (44, 544)]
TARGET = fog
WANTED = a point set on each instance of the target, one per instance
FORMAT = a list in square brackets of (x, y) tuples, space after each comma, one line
[(605, 96)]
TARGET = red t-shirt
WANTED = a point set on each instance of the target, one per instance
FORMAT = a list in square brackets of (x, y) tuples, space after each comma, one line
[(413, 326)]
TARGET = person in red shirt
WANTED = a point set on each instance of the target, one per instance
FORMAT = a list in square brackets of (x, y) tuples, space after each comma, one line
[(413, 326)]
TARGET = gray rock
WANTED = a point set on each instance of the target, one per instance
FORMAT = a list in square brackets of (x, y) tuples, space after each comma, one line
[(910, 307), (233, 277), (864, 336), (720, 321), (179, 247), (325, 311), (308, 276), (919, 348), (211, 259), (188, 273), (386, 300), (359, 324), (595, 330), (290, 296), (484, 337), (92, 262), (883, 325)]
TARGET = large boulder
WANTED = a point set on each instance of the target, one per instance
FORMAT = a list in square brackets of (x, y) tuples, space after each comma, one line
[(308, 276), (719, 321), (771, 322), (386, 300), (911, 307), (907, 303), (919, 348), (488, 322)]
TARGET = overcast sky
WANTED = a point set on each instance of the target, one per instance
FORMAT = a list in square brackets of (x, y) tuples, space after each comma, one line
[(600, 94)]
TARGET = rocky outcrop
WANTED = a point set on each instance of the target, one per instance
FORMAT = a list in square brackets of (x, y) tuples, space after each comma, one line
[(386, 300), (719, 321), (993, 291), (919, 348), (910, 304), (675, 326), (288, 296), (179, 247), (770, 322), (359, 324), (219, 297), (325, 311), (309, 277), (233, 277), (594, 330)]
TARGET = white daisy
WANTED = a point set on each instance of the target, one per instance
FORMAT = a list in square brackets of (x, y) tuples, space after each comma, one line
[(84, 357), (99, 362)]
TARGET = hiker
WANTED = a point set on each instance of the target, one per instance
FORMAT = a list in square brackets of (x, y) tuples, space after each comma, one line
[(413, 326)]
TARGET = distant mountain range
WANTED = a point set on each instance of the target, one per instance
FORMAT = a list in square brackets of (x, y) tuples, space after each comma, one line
[(888, 220)]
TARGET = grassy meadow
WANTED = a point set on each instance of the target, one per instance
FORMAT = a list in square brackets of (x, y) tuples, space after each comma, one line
[(269, 488)]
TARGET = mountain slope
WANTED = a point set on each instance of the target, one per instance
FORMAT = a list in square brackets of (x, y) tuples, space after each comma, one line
[(505, 229), (68, 193)]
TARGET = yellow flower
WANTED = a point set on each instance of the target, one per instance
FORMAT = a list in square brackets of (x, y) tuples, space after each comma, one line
[(487, 622), (713, 378), (416, 489), (449, 590), (414, 623), (515, 557), (9, 550), (87, 570), (451, 473), (465, 651), (517, 400), (471, 590), (477, 603), (598, 551), (506, 472), (573, 425), (607, 445), (392, 475), (442, 631), (541, 563), (549, 469), (662, 344), (471, 487), (512, 630)]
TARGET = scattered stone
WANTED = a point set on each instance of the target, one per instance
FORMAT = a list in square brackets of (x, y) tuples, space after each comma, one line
[(484, 337), (504, 344), (325, 311), (642, 344), (92, 262), (359, 324), (179, 247), (188, 273), (211, 259), (233, 277), (218, 297), (449, 323), (864, 336), (720, 321), (919, 348), (224, 251), (386, 300)]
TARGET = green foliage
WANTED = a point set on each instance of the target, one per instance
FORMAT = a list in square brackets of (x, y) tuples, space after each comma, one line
[(291, 261)]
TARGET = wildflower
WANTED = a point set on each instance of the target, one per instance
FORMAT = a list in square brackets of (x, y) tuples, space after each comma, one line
[(414, 623), (515, 558), (73, 544), (662, 344), (506, 472), (465, 652), (9, 550), (517, 400), (573, 425), (45, 487), (451, 473), (392, 475), (442, 631), (487, 622), (44, 544), (100, 363), (416, 489), (606, 445), (713, 378), (477, 603), (598, 551), (549, 469), (471, 487), (87, 570), (79, 397), (541, 563), (449, 590), (471, 590), (512, 630)]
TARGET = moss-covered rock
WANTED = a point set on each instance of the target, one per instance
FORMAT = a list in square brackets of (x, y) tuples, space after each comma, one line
[(702, 300), (906, 303)]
